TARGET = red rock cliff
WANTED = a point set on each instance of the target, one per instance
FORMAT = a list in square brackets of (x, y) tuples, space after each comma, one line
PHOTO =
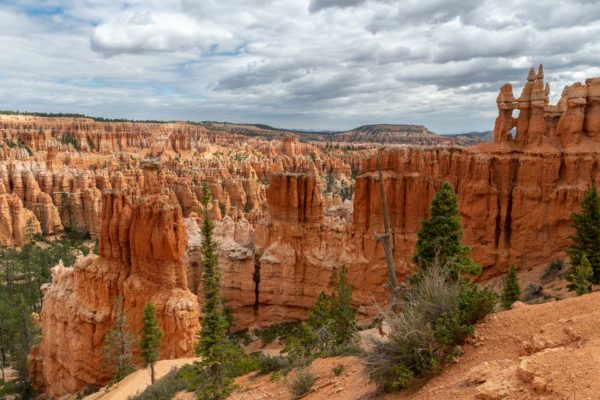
[(142, 244)]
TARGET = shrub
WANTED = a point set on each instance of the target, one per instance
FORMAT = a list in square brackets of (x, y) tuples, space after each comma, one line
[(275, 331), (164, 388), (511, 291), (475, 302), (302, 383), (553, 269), (276, 377), (437, 315), (330, 329), (337, 369), (244, 364), (268, 364), (581, 276), (533, 292)]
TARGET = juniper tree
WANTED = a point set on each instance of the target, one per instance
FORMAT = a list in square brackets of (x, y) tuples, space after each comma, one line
[(586, 240), (438, 239), (511, 291), (580, 277), (150, 337), (118, 347)]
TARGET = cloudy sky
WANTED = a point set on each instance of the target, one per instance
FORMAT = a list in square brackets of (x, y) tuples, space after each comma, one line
[(313, 64)]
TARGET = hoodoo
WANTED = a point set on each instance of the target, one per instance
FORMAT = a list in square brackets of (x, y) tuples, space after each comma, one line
[(142, 244)]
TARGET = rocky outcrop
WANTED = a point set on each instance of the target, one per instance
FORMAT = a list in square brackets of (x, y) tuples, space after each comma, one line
[(142, 244), (298, 250), (516, 195)]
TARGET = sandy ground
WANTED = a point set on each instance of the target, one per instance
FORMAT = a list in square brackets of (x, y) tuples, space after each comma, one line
[(546, 351), (138, 381)]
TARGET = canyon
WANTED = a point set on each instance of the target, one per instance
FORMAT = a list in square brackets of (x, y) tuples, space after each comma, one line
[(289, 213)]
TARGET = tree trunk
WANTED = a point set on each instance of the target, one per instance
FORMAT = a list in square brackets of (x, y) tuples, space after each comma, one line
[(385, 239), (152, 373)]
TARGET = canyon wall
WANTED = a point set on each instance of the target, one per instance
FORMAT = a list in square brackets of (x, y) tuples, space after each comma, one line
[(142, 244), (516, 195)]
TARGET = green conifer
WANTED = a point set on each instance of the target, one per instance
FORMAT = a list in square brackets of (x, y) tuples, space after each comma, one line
[(214, 347), (438, 240), (586, 240), (150, 338), (581, 276), (511, 291)]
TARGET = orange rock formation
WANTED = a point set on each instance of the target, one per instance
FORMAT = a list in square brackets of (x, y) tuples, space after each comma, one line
[(142, 246)]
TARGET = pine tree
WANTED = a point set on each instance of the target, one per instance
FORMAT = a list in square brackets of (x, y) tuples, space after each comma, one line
[(214, 322), (118, 347), (586, 240), (511, 291), (438, 240), (330, 325), (329, 181), (580, 277), (344, 315), (150, 337), (216, 350)]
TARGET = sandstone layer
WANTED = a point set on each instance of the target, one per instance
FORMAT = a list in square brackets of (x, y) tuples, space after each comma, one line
[(142, 244)]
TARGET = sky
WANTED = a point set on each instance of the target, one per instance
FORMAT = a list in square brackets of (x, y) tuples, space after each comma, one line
[(305, 64)]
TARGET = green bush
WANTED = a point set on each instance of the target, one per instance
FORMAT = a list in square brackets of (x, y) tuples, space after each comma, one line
[(302, 383), (276, 331), (475, 302), (553, 269), (437, 315), (330, 329), (337, 369), (244, 364), (581, 277), (268, 364), (164, 388)]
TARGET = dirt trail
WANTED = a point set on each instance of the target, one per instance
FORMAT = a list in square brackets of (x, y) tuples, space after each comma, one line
[(138, 381)]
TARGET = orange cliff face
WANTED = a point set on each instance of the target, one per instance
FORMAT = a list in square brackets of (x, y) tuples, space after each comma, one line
[(142, 246), (516, 195)]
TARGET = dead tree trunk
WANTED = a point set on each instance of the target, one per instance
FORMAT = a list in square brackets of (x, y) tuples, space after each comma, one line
[(386, 241)]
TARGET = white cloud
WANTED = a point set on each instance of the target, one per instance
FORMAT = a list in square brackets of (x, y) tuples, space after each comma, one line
[(144, 32), (293, 63)]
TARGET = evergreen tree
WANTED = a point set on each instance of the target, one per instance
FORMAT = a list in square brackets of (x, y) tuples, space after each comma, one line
[(216, 350), (342, 312), (511, 291), (24, 336), (581, 276), (329, 181), (331, 324), (214, 322), (150, 337), (118, 347), (586, 240), (438, 239)]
